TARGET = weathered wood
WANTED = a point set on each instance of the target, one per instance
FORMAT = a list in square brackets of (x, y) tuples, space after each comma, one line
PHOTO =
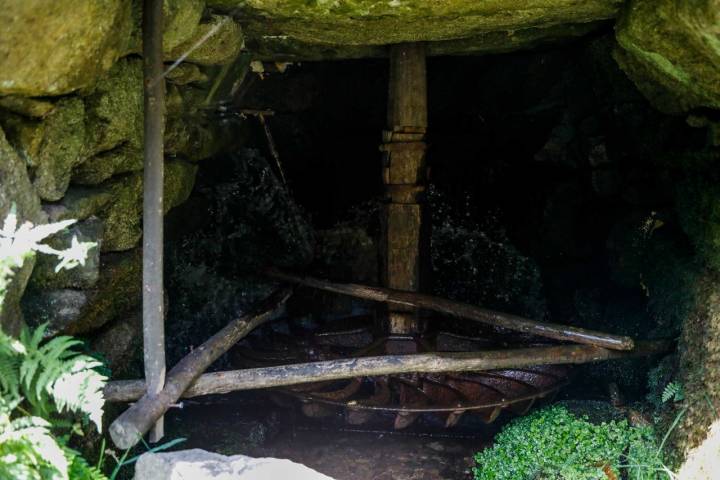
[(407, 98), (129, 427), (154, 127), (404, 167), (285, 375), (462, 310)]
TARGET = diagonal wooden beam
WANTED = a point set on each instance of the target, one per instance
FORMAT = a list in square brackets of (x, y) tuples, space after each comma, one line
[(462, 310), (129, 427)]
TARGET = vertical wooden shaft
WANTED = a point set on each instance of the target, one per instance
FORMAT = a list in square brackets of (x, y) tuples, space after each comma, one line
[(404, 178), (153, 307)]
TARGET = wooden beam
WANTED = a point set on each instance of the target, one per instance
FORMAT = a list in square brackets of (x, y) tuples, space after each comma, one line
[(153, 303), (462, 310), (285, 375), (129, 427)]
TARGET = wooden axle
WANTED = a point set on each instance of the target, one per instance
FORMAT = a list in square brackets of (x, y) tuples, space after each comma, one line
[(295, 374)]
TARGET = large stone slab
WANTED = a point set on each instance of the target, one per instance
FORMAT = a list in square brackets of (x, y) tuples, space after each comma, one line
[(53, 48), (202, 465), (351, 28)]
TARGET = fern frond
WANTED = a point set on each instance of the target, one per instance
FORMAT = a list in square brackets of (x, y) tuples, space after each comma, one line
[(80, 469), (9, 378), (673, 391), (80, 390), (28, 441)]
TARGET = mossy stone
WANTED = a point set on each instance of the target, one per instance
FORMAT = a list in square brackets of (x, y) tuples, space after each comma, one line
[(115, 108), (220, 47), (186, 73), (74, 312), (284, 47), (53, 48), (28, 107), (699, 364), (101, 167), (123, 216), (51, 147), (181, 21), (671, 50), (79, 203), (381, 22)]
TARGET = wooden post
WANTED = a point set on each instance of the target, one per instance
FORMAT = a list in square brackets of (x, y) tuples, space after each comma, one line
[(404, 178), (154, 103), (300, 373)]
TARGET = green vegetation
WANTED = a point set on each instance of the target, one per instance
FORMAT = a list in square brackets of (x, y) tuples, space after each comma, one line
[(48, 391), (554, 444)]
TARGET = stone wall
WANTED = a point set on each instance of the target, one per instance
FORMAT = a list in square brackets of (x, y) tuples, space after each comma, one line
[(71, 128)]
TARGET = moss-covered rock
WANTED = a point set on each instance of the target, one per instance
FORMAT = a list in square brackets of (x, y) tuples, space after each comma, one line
[(115, 108), (123, 216), (97, 169), (28, 107), (70, 311), (186, 73), (334, 26), (215, 42), (671, 50), (79, 203), (52, 48), (51, 147), (700, 363), (189, 132), (181, 21), (16, 189), (283, 47)]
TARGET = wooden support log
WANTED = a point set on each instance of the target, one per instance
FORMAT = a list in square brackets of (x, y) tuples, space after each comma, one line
[(129, 427), (462, 310), (154, 127), (285, 375)]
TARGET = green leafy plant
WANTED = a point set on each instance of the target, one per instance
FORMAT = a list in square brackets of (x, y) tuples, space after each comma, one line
[(673, 391), (17, 243), (47, 389), (554, 444)]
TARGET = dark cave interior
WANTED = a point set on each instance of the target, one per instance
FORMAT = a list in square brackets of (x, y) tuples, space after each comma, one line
[(543, 165)]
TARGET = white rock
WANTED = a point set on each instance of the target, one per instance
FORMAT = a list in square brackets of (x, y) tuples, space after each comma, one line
[(199, 464)]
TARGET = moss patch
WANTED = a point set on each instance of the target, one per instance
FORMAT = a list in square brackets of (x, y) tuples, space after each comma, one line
[(123, 217), (115, 106)]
